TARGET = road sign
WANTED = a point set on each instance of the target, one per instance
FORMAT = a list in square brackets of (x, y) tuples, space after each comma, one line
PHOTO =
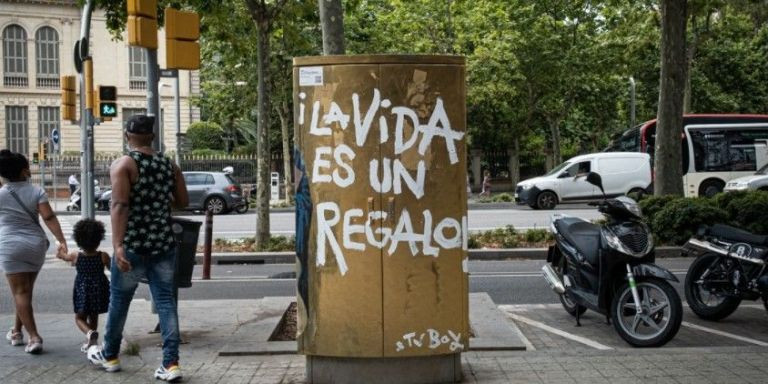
[(169, 73), (55, 136)]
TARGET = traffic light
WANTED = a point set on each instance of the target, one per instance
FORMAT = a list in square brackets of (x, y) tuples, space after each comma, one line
[(68, 98), (43, 150), (182, 30), (107, 95), (142, 23), (88, 74)]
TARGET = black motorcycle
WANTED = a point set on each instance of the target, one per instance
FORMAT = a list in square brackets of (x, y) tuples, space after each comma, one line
[(609, 268), (730, 266)]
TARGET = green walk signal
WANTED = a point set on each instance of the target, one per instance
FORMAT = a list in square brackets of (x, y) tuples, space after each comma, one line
[(108, 109)]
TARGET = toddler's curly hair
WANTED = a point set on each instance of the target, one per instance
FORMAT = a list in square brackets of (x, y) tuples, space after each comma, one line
[(88, 234)]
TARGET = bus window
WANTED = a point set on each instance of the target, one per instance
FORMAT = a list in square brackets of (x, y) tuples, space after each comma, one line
[(726, 150), (629, 141)]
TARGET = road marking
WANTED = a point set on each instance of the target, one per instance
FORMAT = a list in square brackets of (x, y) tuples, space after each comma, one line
[(533, 274), (559, 332), (725, 334), (238, 280)]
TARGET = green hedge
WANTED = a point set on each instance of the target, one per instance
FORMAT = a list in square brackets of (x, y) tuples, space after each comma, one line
[(206, 135), (674, 220)]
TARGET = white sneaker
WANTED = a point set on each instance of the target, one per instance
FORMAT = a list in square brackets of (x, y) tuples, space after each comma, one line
[(171, 374), (97, 358), (91, 338), (15, 338), (34, 347)]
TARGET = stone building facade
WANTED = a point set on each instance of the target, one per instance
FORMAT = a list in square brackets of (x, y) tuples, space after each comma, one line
[(38, 40)]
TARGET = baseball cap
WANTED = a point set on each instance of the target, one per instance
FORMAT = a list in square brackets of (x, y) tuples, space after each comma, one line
[(140, 124)]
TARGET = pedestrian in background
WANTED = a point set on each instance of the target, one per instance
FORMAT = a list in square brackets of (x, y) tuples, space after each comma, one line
[(73, 184), (144, 185), (23, 242), (90, 295), (486, 184)]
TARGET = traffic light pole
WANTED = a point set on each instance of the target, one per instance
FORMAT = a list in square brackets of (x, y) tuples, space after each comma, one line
[(178, 118), (86, 119), (153, 97)]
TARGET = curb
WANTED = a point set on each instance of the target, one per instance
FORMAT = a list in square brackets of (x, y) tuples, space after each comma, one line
[(474, 254)]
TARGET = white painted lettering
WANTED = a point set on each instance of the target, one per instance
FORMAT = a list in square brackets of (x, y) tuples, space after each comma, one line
[(351, 229), (313, 128), (320, 163), (325, 234)]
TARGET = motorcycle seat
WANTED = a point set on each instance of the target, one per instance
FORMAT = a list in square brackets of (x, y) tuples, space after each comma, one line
[(583, 235), (736, 234)]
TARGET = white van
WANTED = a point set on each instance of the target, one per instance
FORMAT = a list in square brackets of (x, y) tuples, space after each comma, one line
[(622, 173)]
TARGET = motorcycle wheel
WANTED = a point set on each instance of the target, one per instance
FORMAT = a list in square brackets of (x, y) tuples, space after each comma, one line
[(242, 208), (661, 317), (569, 305), (709, 303)]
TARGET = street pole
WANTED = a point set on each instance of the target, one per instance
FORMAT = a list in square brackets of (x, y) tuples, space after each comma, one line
[(153, 97), (177, 118), (55, 195), (86, 119), (42, 164), (632, 101)]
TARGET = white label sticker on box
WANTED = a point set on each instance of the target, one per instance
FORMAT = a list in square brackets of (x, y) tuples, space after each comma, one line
[(310, 76)]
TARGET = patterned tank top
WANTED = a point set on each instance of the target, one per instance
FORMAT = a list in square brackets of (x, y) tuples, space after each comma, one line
[(149, 230)]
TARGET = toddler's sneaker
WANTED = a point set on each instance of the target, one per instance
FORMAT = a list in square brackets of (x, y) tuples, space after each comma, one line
[(96, 357), (91, 338), (15, 338), (34, 347), (171, 374)]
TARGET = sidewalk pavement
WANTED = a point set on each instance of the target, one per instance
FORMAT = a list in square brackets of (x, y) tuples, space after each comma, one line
[(210, 325)]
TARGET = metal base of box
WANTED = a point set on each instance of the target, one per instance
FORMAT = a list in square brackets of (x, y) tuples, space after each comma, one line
[(402, 370)]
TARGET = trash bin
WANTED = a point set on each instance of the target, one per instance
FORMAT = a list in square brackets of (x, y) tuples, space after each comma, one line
[(186, 233)]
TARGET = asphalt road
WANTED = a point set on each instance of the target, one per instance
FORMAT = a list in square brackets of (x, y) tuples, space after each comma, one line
[(507, 282), (234, 226)]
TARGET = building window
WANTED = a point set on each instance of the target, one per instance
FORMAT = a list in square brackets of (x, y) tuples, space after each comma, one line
[(16, 129), (137, 62), (47, 54), (15, 56), (47, 121)]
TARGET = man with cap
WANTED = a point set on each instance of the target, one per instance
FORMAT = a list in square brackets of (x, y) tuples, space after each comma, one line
[(145, 184)]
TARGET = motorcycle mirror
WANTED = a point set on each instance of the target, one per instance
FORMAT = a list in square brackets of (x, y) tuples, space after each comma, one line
[(595, 179)]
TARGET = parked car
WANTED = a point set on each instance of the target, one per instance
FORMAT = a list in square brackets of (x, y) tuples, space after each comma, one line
[(215, 191), (757, 181), (622, 173)]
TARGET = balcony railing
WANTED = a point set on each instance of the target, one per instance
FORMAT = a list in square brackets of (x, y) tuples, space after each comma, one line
[(15, 81), (47, 82), (138, 85)]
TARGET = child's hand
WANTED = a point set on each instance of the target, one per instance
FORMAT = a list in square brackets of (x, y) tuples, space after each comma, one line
[(61, 250)]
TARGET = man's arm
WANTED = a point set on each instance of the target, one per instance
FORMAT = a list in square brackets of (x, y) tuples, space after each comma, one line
[(180, 195), (120, 175)]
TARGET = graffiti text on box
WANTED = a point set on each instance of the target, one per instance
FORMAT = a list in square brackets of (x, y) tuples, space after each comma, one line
[(431, 339)]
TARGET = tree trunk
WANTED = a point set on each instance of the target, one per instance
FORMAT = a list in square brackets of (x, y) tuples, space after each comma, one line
[(262, 132), (554, 131), (284, 111), (668, 162), (690, 55), (514, 161), (332, 24)]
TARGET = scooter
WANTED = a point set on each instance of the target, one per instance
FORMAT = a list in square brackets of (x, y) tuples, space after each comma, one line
[(609, 268), (75, 199), (243, 206), (731, 265)]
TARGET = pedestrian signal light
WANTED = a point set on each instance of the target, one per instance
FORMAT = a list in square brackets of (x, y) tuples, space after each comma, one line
[(35, 158), (107, 101)]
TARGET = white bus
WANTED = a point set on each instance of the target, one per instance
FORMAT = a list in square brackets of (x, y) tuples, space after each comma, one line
[(715, 148)]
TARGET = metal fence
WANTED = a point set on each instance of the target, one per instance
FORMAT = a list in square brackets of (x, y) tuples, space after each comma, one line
[(244, 168)]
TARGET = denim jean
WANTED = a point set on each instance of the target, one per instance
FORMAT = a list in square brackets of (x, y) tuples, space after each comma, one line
[(158, 270)]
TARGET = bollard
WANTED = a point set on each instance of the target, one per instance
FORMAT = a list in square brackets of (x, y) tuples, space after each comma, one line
[(207, 246)]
